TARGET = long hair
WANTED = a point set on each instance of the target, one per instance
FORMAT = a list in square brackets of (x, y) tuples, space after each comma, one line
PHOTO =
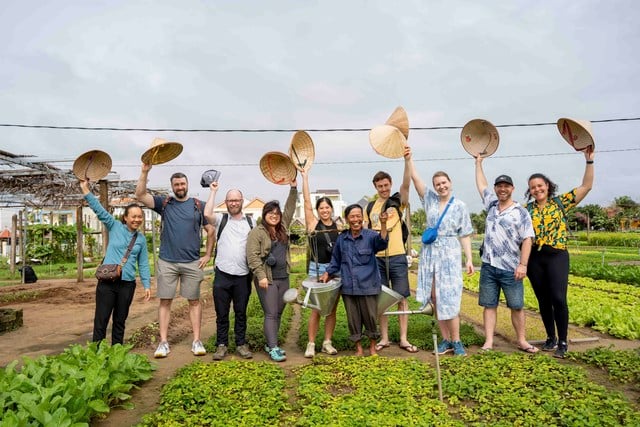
[(552, 186), (324, 199), (277, 232)]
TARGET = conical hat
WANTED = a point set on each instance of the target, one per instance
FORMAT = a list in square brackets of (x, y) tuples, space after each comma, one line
[(388, 141), (578, 133), (278, 168), (481, 137), (161, 151), (399, 120), (301, 151), (93, 165)]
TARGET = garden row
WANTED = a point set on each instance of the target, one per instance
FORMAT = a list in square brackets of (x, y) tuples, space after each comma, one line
[(608, 307), (489, 389)]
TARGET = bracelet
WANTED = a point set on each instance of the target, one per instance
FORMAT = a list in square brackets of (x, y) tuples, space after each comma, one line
[(589, 162)]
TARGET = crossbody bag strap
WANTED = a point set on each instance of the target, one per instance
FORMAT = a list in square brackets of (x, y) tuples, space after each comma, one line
[(131, 243), (446, 208)]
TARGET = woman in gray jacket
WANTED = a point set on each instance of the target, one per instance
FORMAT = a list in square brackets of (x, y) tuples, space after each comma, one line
[(269, 261)]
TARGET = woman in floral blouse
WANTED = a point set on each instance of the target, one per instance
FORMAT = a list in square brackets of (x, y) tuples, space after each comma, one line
[(548, 268)]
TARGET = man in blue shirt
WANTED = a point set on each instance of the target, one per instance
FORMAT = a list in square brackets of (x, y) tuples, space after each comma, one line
[(179, 259)]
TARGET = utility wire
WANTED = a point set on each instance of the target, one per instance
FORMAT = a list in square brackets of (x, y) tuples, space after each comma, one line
[(281, 130)]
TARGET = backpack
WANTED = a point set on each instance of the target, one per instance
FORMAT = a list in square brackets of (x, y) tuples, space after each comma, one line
[(197, 207), (223, 223), (29, 274), (392, 202)]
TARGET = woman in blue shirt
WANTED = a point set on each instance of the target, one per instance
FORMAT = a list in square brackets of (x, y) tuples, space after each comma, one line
[(114, 298)]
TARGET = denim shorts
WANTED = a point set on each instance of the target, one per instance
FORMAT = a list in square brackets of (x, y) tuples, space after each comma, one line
[(398, 273), (493, 279)]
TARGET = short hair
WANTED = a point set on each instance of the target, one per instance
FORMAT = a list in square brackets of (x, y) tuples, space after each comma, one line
[(128, 208), (351, 207), (379, 176), (178, 175)]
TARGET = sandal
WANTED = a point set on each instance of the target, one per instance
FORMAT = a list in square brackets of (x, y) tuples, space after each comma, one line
[(380, 346), (410, 348)]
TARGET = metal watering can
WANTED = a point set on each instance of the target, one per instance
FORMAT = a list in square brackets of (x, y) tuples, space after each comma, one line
[(318, 296)]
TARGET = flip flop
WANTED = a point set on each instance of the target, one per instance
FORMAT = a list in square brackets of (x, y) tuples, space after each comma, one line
[(380, 346), (410, 348), (531, 349)]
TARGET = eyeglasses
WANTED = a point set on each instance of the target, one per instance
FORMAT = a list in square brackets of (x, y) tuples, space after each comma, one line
[(273, 213), (233, 201)]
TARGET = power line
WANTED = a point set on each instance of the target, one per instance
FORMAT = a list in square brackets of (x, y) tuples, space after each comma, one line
[(281, 130)]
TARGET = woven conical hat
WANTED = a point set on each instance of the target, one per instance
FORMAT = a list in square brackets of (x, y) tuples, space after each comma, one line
[(161, 151), (301, 151), (578, 133), (399, 120), (93, 165), (481, 137), (388, 141), (278, 168)]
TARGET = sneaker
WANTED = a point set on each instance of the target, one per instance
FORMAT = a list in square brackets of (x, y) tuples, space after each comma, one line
[(458, 349), (198, 349), (328, 348), (221, 352), (550, 344), (444, 347), (561, 350), (244, 352), (277, 355), (268, 350), (162, 350), (310, 351)]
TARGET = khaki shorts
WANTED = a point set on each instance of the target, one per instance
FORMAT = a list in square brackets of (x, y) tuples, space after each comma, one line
[(187, 273)]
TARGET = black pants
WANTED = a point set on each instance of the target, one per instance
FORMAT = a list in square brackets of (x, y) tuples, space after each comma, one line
[(548, 271), (112, 297), (361, 311), (228, 288)]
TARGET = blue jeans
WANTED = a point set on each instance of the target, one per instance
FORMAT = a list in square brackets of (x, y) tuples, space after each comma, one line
[(493, 279), (398, 273)]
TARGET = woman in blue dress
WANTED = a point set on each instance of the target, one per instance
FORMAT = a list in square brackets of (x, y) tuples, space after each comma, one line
[(440, 266)]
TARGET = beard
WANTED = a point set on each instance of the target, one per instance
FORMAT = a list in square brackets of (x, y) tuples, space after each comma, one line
[(180, 194)]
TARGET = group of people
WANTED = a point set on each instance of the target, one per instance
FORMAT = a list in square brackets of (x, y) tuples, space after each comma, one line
[(520, 241)]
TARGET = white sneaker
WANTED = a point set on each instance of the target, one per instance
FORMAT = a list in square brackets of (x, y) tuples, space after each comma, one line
[(311, 350), (198, 349), (162, 350), (328, 348)]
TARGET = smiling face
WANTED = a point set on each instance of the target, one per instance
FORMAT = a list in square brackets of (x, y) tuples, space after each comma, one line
[(539, 189), (354, 219), (383, 187), (133, 218), (273, 217), (442, 185), (503, 191), (325, 212), (180, 188), (234, 202)]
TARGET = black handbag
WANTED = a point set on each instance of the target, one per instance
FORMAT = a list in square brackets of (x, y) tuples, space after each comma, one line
[(113, 272)]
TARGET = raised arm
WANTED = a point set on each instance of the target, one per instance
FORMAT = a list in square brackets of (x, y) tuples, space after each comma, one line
[(209, 214), (141, 187), (481, 179), (419, 185), (290, 204), (406, 176), (587, 179), (310, 219)]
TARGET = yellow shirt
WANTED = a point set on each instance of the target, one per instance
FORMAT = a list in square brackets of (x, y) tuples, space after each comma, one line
[(394, 228), (549, 223)]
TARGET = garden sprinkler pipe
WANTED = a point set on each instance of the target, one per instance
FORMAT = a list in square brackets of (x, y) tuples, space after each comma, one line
[(425, 309)]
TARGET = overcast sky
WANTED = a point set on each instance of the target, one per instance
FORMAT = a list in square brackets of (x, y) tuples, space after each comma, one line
[(322, 65)]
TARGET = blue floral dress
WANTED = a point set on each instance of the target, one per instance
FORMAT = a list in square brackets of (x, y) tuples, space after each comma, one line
[(442, 259)]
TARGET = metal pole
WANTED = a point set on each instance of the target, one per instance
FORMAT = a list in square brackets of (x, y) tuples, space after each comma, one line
[(435, 350)]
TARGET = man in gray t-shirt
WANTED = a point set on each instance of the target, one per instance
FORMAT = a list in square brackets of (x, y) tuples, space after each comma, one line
[(179, 260)]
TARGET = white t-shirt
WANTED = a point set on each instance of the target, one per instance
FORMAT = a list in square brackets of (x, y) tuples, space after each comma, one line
[(232, 246)]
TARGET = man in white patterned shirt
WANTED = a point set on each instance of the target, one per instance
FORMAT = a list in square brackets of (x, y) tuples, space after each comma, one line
[(505, 253)]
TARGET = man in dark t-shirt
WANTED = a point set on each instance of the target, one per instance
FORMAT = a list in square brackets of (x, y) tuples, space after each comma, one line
[(179, 260)]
